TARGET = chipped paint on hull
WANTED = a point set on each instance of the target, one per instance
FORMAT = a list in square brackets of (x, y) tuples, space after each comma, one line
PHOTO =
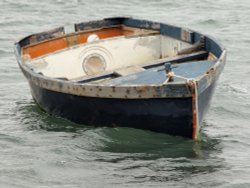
[(171, 116), (171, 98)]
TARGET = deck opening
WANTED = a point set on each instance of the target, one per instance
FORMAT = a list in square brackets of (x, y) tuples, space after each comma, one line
[(94, 64)]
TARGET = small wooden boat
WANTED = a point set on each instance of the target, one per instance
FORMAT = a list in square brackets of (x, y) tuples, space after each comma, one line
[(124, 72)]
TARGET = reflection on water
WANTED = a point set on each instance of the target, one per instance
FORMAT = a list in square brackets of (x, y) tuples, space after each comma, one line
[(130, 149), (34, 118)]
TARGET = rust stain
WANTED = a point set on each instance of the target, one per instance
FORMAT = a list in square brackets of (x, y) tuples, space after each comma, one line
[(194, 110), (210, 71), (72, 40), (192, 84)]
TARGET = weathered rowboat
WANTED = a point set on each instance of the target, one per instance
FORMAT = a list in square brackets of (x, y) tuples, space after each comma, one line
[(124, 72)]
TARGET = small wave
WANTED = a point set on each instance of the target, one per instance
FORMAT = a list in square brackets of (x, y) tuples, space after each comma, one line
[(209, 22), (9, 138), (6, 51), (222, 111), (235, 88), (239, 89)]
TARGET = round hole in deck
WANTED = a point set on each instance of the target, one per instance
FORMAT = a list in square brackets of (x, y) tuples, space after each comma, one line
[(94, 64)]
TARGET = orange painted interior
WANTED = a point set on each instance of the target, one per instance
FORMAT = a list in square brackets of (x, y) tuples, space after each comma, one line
[(102, 34), (45, 47), (60, 43)]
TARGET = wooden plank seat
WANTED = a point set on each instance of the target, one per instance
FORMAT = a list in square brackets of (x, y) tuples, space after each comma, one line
[(128, 70), (150, 76)]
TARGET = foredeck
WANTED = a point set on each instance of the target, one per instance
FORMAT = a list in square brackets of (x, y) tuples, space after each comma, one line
[(182, 72)]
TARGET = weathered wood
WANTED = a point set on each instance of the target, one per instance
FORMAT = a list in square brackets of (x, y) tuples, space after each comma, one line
[(128, 70), (177, 59), (198, 46), (145, 77)]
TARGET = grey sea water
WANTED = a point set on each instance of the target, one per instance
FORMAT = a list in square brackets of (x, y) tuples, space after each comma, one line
[(38, 150)]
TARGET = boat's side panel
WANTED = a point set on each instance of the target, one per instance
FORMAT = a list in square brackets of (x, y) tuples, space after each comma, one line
[(172, 116), (206, 86), (165, 29), (43, 36), (204, 100), (108, 22)]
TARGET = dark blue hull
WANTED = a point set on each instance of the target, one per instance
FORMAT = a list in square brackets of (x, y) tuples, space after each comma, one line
[(171, 116), (204, 100)]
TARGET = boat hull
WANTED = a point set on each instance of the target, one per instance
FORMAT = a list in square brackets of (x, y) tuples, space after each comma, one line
[(177, 107), (166, 115)]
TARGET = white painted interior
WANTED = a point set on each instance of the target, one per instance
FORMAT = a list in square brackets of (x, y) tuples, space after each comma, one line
[(117, 52)]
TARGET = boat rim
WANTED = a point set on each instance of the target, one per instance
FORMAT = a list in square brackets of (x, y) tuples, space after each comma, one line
[(136, 91)]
